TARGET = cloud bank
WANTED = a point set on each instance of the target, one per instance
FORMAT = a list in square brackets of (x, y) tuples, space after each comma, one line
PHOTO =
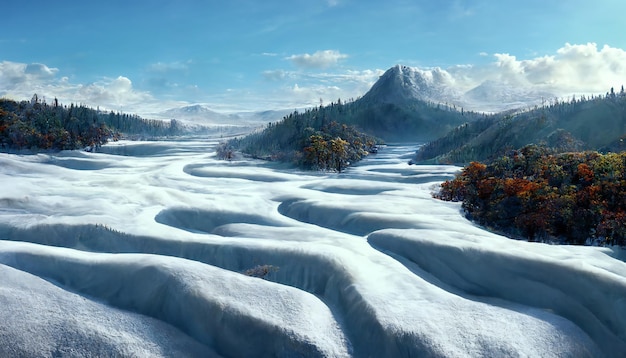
[(573, 69), (20, 81)]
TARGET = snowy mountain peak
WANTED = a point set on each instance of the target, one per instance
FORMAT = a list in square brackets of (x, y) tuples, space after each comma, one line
[(192, 110), (401, 84)]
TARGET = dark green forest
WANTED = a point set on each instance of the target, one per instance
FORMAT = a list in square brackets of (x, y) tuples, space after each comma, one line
[(309, 138), (585, 123), (413, 121), (36, 125)]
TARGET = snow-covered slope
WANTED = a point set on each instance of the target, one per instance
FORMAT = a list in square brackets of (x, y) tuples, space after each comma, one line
[(140, 250), (402, 84), (41, 319)]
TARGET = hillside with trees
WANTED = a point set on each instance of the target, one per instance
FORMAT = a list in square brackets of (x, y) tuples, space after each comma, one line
[(301, 137), (404, 105), (400, 107), (309, 141), (36, 125), (542, 196), (413, 121), (395, 109), (595, 123)]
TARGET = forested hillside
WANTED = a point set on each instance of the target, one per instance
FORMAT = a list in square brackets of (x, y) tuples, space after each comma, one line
[(405, 105), (398, 108), (309, 140), (596, 123), (37, 125), (414, 121)]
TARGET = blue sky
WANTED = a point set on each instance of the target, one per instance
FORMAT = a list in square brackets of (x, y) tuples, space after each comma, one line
[(146, 56)]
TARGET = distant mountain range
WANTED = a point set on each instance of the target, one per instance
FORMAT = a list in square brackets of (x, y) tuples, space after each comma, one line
[(203, 115), (403, 105), (399, 86), (406, 104), (409, 104)]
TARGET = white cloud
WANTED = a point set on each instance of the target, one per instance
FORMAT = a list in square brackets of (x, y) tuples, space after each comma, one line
[(14, 74), (310, 95), (276, 75), (115, 93), (39, 70), (366, 76), (306, 89), (20, 81), (299, 89), (320, 59), (572, 69)]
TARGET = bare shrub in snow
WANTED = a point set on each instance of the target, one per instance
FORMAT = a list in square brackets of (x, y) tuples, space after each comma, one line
[(260, 271)]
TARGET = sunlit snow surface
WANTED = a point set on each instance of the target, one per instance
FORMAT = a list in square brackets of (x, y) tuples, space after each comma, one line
[(139, 250)]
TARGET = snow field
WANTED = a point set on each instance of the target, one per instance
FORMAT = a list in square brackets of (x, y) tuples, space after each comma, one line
[(369, 265)]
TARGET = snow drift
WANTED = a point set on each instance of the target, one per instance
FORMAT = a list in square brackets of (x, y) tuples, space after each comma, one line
[(153, 238)]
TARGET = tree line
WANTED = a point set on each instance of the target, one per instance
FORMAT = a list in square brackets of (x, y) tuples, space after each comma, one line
[(36, 125), (329, 137)]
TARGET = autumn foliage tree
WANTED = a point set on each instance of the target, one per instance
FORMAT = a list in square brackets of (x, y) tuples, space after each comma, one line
[(533, 193), (326, 154)]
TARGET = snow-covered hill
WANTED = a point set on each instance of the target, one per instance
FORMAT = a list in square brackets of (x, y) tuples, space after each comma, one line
[(140, 251), (401, 84)]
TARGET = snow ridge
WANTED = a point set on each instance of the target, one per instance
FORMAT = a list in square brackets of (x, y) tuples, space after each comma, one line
[(369, 264)]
